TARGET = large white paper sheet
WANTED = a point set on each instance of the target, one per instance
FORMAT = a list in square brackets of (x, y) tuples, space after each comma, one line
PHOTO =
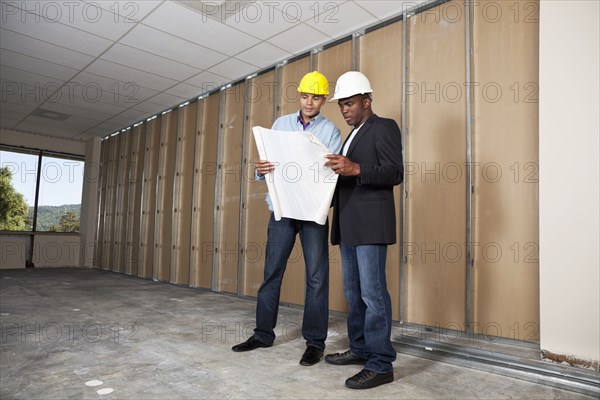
[(300, 186)]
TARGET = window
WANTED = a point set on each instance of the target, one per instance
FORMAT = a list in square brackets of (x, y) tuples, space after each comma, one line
[(56, 180)]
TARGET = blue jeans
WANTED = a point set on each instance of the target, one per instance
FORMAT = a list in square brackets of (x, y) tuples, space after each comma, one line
[(281, 237), (370, 306)]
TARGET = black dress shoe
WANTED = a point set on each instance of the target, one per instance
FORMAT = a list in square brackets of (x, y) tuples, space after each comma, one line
[(367, 379), (250, 344), (345, 358), (311, 356)]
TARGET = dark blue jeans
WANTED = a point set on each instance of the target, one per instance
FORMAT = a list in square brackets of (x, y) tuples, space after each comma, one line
[(281, 238), (370, 306)]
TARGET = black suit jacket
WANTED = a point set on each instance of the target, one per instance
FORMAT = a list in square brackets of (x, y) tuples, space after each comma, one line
[(364, 211)]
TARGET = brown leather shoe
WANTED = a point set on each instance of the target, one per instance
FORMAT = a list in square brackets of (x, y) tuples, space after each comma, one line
[(367, 379), (345, 358), (311, 356), (250, 344)]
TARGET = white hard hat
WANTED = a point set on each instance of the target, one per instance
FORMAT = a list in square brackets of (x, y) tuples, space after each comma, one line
[(350, 84)]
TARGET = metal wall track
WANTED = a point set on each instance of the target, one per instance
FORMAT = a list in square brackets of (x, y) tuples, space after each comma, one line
[(525, 368)]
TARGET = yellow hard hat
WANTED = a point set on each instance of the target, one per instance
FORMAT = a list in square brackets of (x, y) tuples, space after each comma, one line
[(314, 83)]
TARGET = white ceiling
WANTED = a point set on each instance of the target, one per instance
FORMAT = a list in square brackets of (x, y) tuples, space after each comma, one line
[(79, 69)]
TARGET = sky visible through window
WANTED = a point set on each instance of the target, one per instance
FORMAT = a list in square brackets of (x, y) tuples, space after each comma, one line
[(61, 179)]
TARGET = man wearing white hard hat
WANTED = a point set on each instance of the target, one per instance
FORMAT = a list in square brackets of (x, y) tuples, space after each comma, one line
[(281, 237), (364, 224)]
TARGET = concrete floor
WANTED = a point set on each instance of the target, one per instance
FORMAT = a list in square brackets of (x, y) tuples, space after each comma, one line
[(91, 334)]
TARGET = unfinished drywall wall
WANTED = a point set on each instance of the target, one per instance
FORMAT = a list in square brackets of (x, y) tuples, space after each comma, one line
[(333, 62), (123, 178), (231, 128), (260, 93), (136, 169), (203, 203), (112, 146), (505, 168), (436, 202), (380, 59), (163, 233), (227, 212), (182, 194), (292, 287), (148, 205)]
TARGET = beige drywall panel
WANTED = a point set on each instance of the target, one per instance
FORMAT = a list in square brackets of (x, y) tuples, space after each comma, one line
[(88, 227), (569, 155), (203, 207), (164, 196), (229, 175), (259, 95), (108, 253), (292, 287), (332, 63), (436, 110), (505, 153), (123, 181), (148, 212), (291, 74), (182, 196), (381, 61), (99, 261), (134, 204)]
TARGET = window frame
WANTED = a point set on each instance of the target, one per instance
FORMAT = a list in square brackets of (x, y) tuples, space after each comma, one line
[(40, 153)]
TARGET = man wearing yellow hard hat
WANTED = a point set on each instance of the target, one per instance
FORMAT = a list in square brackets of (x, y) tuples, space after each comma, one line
[(281, 237)]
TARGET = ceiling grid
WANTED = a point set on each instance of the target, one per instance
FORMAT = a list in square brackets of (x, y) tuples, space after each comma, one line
[(83, 69)]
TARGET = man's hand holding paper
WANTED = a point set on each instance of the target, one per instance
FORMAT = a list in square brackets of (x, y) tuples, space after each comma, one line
[(299, 184)]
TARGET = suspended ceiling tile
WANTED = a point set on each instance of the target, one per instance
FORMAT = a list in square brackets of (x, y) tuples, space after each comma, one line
[(148, 62), (63, 131), (25, 87), (71, 122), (95, 88), (233, 69), (347, 18), (68, 98), (8, 73), (56, 33), (172, 47), (184, 90), (9, 123), (181, 21), (261, 19), (383, 9), (129, 75), (133, 116), (130, 10), (263, 55), (167, 100), (15, 110), (121, 121), (36, 66), (288, 40), (301, 11), (101, 130), (83, 112), (149, 109), (88, 17), (207, 81), (36, 48), (13, 113)]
